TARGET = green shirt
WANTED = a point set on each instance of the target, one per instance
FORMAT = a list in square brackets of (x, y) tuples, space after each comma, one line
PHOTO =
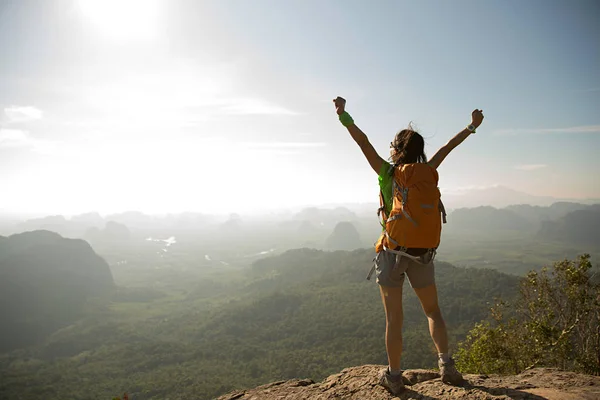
[(385, 184)]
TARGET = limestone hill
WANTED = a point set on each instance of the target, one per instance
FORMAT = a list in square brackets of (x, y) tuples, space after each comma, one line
[(45, 281)]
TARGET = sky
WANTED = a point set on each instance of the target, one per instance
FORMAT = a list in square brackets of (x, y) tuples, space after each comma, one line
[(215, 106)]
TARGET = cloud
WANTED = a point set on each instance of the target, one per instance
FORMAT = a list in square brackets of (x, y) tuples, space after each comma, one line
[(283, 145), (181, 90), (252, 106), (280, 148), (18, 138), (22, 113), (530, 167), (574, 129), (14, 138)]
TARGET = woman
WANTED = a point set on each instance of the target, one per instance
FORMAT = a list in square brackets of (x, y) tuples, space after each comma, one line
[(407, 147)]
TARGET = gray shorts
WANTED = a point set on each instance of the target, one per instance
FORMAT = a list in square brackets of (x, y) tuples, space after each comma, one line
[(391, 269)]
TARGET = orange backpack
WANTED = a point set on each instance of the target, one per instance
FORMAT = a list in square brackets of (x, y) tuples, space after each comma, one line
[(415, 219)]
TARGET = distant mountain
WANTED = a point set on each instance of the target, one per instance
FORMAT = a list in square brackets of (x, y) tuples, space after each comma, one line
[(89, 219), (46, 280), (577, 227), (233, 225), (76, 226), (298, 227), (7, 223), (325, 217), (537, 214), (306, 228), (188, 221), (133, 219), (344, 237), (521, 217), (54, 223), (500, 197), (113, 232), (485, 218), (495, 196)]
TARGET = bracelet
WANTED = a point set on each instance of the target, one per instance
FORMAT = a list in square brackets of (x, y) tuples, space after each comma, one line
[(346, 119)]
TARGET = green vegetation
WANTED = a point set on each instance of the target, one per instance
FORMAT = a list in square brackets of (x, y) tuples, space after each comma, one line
[(306, 313), (554, 322), (510, 252), (520, 238), (201, 317)]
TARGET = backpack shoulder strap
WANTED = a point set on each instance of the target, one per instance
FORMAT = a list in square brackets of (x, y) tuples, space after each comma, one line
[(381, 210)]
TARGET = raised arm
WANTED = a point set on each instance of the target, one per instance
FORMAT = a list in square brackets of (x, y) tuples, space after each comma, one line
[(359, 136), (476, 120)]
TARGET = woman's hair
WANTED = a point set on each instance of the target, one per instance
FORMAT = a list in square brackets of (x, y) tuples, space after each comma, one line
[(409, 146)]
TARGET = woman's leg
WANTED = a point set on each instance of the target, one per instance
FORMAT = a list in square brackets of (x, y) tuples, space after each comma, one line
[(437, 327), (392, 303), (439, 334)]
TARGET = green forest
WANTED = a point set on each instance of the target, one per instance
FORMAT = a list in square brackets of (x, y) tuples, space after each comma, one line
[(305, 313), (171, 322)]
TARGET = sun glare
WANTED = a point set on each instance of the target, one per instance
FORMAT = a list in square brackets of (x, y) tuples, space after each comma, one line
[(122, 19)]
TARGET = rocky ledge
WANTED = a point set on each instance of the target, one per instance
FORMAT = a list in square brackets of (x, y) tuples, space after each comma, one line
[(360, 383)]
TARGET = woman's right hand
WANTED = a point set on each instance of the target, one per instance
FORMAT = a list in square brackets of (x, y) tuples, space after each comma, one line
[(340, 105), (476, 118)]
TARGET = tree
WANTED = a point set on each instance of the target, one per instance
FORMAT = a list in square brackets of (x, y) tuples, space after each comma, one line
[(553, 323)]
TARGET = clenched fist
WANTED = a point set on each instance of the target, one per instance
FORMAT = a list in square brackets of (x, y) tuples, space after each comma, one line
[(340, 105)]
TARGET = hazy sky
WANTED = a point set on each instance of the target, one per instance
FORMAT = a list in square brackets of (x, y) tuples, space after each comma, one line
[(113, 105)]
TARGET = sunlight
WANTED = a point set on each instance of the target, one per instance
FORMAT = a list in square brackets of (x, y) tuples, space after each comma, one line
[(155, 176), (122, 19)]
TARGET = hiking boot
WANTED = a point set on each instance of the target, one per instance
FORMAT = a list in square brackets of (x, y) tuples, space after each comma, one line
[(449, 373), (393, 384)]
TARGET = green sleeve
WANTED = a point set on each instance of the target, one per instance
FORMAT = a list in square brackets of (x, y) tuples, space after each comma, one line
[(385, 184)]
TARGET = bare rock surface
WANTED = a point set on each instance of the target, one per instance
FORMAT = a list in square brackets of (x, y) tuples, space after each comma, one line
[(361, 383)]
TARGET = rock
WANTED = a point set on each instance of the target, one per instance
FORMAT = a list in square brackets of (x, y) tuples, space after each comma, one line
[(361, 383), (414, 376)]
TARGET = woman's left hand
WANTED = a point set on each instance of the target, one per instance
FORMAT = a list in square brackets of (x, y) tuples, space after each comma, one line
[(476, 118)]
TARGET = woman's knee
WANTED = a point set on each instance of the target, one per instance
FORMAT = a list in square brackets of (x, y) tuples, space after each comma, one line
[(392, 302), (429, 301), (394, 319), (434, 313)]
